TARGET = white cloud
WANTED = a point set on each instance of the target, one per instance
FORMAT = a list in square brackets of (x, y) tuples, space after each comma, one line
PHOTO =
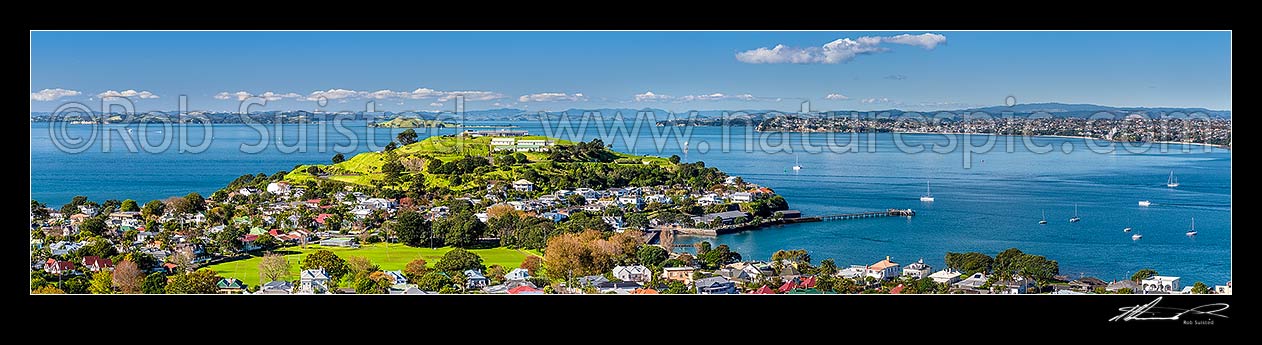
[(925, 40), (553, 97), (436, 104), (649, 96), (840, 50), (421, 93), (52, 94), (127, 94), (269, 95), (875, 100), (836, 97)]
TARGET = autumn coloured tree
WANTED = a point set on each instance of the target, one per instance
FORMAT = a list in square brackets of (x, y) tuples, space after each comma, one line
[(128, 277)]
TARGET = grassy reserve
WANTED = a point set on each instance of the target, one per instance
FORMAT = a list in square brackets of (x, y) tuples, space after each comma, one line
[(389, 257)]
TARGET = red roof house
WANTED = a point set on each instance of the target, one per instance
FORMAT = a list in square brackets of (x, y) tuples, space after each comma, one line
[(897, 290), (524, 290), (764, 290)]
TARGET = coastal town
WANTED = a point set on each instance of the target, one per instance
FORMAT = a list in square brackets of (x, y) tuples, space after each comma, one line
[(1130, 128), (492, 212)]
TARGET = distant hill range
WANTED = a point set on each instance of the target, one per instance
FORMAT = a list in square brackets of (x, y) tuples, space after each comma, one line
[(511, 114)]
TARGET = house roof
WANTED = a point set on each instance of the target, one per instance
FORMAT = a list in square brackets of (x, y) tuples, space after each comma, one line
[(230, 283), (883, 264), (314, 274), (897, 289), (523, 289), (644, 291), (788, 286), (764, 290), (637, 269), (711, 281), (97, 261)]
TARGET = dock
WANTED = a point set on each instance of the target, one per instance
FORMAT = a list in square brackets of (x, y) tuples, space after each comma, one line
[(728, 229), (893, 212)]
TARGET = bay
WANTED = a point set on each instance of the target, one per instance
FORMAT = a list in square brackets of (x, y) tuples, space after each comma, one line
[(986, 201)]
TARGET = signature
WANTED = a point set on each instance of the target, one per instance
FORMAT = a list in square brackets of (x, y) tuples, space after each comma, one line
[(1151, 311)]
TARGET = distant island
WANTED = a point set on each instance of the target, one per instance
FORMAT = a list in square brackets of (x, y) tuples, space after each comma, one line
[(411, 122)]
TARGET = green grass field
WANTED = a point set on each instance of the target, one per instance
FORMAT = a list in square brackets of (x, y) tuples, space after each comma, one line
[(389, 257)]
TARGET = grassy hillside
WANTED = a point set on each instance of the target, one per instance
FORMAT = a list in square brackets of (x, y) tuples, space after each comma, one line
[(365, 168)]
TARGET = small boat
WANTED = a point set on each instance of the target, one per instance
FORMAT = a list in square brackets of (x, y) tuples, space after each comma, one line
[(1192, 232), (1172, 181), (796, 166), (1136, 237), (1075, 218), (1127, 229), (928, 197), (1145, 203), (1044, 220)]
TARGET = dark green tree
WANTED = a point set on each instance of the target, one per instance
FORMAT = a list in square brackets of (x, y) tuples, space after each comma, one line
[(412, 228), (457, 260), (155, 283), (1143, 274), (652, 256), (338, 158), (333, 265), (407, 136), (129, 205)]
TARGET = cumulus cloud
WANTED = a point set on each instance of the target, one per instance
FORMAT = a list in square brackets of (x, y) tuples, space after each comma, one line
[(553, 97), (840, 50), (836, 97), (649, 96), (421, 93), (52, 94), (126, 94), (269, 95), (925, 40)]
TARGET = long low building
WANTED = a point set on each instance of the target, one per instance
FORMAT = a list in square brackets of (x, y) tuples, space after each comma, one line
[(727, 217)]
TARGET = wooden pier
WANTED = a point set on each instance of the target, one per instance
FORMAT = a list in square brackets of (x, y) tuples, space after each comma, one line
[(871, 214)]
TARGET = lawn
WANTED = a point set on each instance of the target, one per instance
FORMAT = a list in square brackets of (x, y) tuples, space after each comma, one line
[(388, 256)]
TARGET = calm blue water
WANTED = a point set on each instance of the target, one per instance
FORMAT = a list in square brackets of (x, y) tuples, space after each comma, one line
[(992, 204)]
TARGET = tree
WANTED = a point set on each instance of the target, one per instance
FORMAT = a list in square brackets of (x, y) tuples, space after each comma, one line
[(674, 159), (796, 255), (360, 267), (204, 281), (153, 209), (155, 283), (460, 230), (376, 283), (391, 146), (274, 267), (128, 277), (129, 205), (652, 256), (38, 210), (177, 205), (407, 136), (102, 283), (702, 247), (333, 265), (496, 273), (415, 269), (196, 202), (969, 263), (94, 226), (47, 290), (827, 267), (1143, 274), (531, 264), (75, 285), (433, 281), (719, 256), (499, 210), (589, 252), (338, 158), (1200, 288), (458, 260), (412, 228)]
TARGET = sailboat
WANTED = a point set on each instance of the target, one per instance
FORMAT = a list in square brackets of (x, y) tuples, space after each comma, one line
[(1192, 232), (1136, 237), (1075, 218), (796, 166), (928, 197), (1145, 203), (1127, 229), (1044, 220), (685, 146), (1172, 181)]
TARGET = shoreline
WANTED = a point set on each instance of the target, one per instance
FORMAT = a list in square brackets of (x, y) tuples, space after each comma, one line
[(1226, 147)]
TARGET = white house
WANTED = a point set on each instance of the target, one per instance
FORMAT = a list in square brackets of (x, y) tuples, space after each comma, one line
[(523, 185), (945, 276), (517, 274), (503, 142), (853, 272), (615, 222), (247, 191), (730, 180), (1223, 289), (313, 281), (88, 210), (630, 200), (741, 197), (637, 273), (1165, 284), (281, 187), (588, 193), (884, 269), (659, 198), (917, 269)]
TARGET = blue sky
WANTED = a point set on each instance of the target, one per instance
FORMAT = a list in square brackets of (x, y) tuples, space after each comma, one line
[(678, 71)]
